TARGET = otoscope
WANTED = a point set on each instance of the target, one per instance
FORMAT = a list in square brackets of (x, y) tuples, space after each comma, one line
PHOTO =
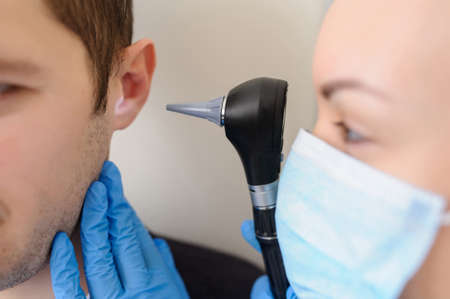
[(253, 116)]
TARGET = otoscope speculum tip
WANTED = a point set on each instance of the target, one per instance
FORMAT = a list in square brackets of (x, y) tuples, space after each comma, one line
[(210, 110)]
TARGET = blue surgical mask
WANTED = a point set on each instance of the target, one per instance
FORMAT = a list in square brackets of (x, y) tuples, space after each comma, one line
[(347, 230)]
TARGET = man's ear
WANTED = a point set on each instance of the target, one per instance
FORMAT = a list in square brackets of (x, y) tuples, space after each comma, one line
[(136, 73)]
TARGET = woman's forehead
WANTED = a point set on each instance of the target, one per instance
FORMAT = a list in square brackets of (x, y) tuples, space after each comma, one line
[(390, 43)]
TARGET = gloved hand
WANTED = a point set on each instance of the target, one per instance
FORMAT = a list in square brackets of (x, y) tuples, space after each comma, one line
[(121, 260), (261, 288)]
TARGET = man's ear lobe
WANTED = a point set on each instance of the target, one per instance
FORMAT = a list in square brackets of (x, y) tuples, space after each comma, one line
[(136, 73)]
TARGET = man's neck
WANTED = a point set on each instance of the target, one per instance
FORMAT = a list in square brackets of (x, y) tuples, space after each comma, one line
[(40, 285)]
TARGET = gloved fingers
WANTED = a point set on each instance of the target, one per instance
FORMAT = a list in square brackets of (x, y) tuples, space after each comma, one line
[(151, 254), (248, 233), (125, 245), (261, 289), (100, 269), (164, 250), (158, 256), (64, 269)]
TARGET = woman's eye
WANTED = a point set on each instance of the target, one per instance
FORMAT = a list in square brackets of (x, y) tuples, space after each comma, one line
[(353, 136), (350, 135)]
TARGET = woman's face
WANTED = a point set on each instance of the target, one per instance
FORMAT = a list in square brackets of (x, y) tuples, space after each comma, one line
[(382, 77), (381, 73)]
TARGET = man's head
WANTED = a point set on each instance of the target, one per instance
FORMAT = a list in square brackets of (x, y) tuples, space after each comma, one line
[(381, 71), (105, 28), (69, 77)]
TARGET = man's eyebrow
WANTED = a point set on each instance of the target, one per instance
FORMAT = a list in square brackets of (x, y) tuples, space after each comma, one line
[(330, 87), (19, 67)]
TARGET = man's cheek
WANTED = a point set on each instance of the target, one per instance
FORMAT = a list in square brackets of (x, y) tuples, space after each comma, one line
[(21, 182), (21, 204), (12, 192), (21, 220)]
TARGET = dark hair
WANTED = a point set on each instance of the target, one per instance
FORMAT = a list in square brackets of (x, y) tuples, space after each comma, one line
[(106, 28)]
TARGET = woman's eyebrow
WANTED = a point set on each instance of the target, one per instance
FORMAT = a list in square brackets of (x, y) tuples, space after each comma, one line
[(328, 88)]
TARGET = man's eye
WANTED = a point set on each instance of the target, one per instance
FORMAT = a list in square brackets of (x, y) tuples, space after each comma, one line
[(4, 88), (7, 88)]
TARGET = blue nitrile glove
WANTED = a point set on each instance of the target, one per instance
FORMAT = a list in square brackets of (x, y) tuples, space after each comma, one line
[(121, 260), (261, 288)]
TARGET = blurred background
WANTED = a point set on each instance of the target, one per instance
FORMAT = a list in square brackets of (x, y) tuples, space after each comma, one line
[(181, 174)]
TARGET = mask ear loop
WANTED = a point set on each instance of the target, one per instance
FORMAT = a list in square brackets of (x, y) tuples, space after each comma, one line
[(445, 220)]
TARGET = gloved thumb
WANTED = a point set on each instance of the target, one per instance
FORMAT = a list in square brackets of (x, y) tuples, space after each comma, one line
[(248, 233), (64, 269), (261, 289)]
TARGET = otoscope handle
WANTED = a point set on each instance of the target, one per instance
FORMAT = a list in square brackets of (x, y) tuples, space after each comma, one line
[(264, 219)]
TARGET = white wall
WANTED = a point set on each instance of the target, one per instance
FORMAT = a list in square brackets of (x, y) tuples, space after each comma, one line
[(181, 174)]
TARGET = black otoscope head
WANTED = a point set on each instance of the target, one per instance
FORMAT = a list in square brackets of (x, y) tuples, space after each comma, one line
[(253, 116), (254, 123)]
